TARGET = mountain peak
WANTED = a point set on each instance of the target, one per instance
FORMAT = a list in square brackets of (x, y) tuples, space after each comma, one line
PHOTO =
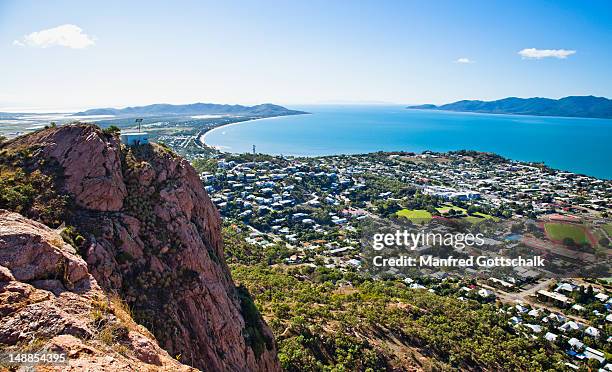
[(199, 108)]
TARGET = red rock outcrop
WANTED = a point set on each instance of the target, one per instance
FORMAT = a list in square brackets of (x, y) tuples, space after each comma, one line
[(49, 301), (92, 170), (152, 235)]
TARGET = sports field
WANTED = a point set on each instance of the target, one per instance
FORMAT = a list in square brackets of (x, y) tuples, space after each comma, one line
[(474, 218), (415, 214), (423, 215), (561, 231)]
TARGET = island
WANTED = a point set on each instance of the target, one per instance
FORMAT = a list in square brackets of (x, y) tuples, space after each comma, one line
[(572, 106)]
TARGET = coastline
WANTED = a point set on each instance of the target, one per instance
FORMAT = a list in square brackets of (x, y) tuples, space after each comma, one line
[(202, 138), (525, 123)]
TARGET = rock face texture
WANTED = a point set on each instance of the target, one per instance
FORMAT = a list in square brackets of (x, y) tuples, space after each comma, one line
[(92, 170), (49, 300), (148, 232)]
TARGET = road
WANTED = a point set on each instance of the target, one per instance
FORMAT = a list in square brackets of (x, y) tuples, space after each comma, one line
[(528, 296)]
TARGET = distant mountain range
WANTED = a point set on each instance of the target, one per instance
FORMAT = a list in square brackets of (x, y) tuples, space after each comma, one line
[(194, 109), (573, 106)]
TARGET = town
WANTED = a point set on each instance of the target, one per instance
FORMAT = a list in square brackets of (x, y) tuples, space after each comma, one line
[(311, 211)]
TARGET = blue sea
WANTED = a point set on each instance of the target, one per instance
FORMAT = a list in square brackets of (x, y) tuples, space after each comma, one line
[(574, 144)]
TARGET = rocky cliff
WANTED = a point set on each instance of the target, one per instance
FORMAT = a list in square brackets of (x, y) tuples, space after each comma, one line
[(49, 300), (149, 235)]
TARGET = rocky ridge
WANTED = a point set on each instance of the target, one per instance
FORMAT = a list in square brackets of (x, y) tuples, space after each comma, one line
[(149, 237)]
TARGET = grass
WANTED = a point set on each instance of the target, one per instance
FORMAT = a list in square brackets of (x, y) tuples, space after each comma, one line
[(474, 218), (423, 215), (113, 319), (448, 207), (608, 228), (415, 214), (561, 231), (478, 217)]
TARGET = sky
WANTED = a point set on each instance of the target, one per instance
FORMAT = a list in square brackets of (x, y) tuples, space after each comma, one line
[(84, 54)]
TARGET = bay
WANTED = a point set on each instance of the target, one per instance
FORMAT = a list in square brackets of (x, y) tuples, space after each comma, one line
[(579, 145)]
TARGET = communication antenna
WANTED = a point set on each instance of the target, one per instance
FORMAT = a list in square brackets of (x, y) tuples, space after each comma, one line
[(139, 120), (253, 149)]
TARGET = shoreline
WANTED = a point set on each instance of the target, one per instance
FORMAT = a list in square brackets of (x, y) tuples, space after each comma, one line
[(202, 138), (335, 152)]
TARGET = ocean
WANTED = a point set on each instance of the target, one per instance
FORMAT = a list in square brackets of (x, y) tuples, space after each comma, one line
[(578, 145)]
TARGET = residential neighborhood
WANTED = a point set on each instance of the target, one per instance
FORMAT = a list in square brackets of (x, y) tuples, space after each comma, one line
[(312, 211)]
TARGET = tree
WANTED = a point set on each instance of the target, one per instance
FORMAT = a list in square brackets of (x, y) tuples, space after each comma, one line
[(593, 364), (569, 242), (205, 165), (112, 130)]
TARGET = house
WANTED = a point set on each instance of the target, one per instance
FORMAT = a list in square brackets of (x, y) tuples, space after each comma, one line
[(571, 326), (501, 282), (590, 353), (515, 320), (592, 331), (134, 138), (551, 337), (338, 251), (534, 313), (354, 262), (567, 287), (520, 308), (575, 343), (557, 298), (534, 328), (556, 317)]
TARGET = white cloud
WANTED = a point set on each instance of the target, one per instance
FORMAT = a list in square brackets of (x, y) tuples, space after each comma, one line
[(464, 60), (69, 36), (533, 53)]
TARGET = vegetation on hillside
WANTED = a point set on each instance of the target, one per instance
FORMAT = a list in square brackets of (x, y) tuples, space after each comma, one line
[(29, 185), (325, 319)]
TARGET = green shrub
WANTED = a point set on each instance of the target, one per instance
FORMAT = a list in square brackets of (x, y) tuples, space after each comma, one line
[(112, 131)]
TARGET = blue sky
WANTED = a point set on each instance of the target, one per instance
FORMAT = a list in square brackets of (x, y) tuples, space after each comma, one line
[(111, 53)]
